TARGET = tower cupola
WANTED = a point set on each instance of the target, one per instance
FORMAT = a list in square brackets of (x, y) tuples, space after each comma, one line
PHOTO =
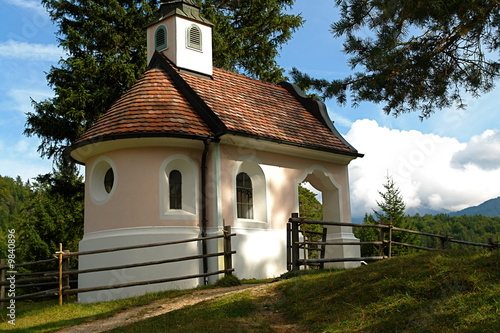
[(182, 35)]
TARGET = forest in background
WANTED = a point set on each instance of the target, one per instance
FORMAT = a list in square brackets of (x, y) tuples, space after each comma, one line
[(42, 218)]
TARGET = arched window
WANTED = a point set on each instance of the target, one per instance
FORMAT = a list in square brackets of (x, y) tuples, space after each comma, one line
[(179, 188), (175, 189), (194, 37), (244, 196), (161, 38)]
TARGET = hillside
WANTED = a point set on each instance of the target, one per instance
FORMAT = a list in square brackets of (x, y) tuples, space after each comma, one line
[(490, 208), (449, 291)]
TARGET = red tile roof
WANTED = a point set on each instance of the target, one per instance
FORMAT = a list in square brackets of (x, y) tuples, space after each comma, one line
[(249, 106), (169, 102), (153, 106)]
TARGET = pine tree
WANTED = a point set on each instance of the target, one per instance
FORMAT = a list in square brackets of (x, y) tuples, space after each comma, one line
[(309, 206), (392, 206), (248, 35), (391, 211), (414, 54), (105, 41)]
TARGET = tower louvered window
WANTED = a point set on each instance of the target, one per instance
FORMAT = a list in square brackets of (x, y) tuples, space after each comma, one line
[(161, 38), (194, 37)]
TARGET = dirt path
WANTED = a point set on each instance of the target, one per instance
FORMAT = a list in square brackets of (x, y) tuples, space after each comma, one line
[(267, 308)]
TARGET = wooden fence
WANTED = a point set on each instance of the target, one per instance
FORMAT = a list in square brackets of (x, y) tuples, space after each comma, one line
[(60, 282), (384, 243)]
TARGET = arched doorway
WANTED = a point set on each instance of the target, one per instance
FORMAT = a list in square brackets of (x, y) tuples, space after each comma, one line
[(330, 195)]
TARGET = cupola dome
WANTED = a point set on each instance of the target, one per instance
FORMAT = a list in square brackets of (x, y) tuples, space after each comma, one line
[(182, 35)]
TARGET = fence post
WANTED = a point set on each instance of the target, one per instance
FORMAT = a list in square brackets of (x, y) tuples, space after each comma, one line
[(2, 279), (60, 255), (295, 246), (493, 245), (443, 240), (65, 280), (288, 246), (390, 240), (228, 262), (323, 248)]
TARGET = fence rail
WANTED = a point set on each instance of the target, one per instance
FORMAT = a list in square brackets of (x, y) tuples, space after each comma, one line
[(60, 277), (294, 262)]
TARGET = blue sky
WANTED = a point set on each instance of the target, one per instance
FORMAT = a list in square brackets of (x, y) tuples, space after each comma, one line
[(449, 161)]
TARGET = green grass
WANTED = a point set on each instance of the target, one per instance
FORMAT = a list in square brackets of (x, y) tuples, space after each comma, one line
[(48, 316), (445, 292), (437, 292)]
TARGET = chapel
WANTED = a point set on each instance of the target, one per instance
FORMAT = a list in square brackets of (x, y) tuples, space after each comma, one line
[(191, 148)]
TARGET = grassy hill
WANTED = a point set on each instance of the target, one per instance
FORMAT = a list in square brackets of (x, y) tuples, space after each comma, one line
[(431, 292)]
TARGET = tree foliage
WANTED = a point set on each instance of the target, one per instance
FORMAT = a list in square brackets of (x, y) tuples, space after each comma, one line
[(248, 35), (471, 228), (42, 216), (414, 54), (309, 206), (105, 43)]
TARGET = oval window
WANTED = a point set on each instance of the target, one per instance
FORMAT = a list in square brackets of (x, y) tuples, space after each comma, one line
[(109, 179), (102, 180)]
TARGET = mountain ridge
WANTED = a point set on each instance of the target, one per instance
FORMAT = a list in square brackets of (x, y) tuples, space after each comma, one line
[(490, 208)]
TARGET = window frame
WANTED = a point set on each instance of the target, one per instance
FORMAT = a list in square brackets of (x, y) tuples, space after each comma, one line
[(99, 179), (189, 188), (244, 196), (251, 166), (189, 36), (175, 189), (164, 45)]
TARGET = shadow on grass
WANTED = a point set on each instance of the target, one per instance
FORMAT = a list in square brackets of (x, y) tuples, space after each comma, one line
[(231, 314)]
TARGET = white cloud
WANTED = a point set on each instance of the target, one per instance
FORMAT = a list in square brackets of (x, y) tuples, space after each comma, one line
[(30, 51), (22, 159), (27, 4), (421, 166), (340, 120), (21, 98), (482, 151)]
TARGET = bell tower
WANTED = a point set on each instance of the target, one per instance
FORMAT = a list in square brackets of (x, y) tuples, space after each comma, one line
[(182, 35)]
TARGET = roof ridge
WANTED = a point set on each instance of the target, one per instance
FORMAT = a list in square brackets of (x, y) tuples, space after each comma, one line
[(247, 77)]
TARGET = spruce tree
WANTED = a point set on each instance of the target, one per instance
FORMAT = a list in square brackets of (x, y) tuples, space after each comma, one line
[(105, 41), (392, 206), (392, 211)]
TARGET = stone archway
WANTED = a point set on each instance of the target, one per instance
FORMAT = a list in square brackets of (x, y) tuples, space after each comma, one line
[(331, 195)]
